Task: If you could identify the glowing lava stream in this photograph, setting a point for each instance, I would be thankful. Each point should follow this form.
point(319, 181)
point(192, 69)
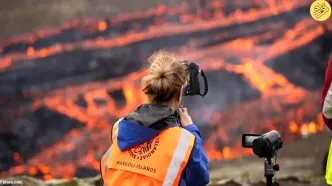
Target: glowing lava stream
point(63, 158)
point(92, 24)
point(56, 162)
point(253, 57)
point(260, 76)
point(153, 32)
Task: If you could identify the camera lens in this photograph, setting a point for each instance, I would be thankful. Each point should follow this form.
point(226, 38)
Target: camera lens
point(259, 146)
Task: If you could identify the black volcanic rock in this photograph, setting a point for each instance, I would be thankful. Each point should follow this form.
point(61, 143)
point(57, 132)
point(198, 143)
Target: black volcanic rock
point(305, 66)
point(67, 68)
point(84, 172)
point(33, 132)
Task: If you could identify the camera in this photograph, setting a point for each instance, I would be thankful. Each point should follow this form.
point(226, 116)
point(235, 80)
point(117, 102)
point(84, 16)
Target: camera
point(265, 145)
point(193, 87)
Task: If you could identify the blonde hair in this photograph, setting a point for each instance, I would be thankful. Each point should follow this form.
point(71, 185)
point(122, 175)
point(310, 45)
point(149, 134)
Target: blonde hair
point(167, 75)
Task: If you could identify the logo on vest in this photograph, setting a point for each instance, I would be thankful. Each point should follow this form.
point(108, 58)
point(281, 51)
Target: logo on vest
point(145, 150)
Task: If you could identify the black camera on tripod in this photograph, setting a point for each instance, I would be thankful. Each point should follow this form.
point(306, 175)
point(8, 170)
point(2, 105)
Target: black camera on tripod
point(265, 146)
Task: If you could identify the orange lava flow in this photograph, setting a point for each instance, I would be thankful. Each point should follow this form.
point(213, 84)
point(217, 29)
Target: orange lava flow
point(164, 29)
point(267, 112)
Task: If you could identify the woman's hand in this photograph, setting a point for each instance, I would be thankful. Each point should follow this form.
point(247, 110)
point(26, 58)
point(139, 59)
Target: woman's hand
point(185, 119)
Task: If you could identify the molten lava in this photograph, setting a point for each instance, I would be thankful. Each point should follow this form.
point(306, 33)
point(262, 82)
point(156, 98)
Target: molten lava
point(214, 41)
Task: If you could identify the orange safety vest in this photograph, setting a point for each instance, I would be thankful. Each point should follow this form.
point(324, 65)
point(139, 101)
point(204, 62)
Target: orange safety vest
point(159, 161)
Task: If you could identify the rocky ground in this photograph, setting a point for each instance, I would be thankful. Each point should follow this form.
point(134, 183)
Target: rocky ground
point(301, 164)
point(95, 181)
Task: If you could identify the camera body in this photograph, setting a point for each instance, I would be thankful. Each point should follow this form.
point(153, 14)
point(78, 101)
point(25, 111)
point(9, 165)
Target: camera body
point(193, 87)
point(265, 145)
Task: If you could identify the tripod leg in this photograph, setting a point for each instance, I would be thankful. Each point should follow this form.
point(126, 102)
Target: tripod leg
point(269, 180)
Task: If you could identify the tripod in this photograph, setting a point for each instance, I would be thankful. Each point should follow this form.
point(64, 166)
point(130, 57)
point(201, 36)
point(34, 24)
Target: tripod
point(269, 171)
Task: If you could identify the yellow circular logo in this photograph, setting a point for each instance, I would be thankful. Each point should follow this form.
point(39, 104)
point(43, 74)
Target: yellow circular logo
point(320, 10)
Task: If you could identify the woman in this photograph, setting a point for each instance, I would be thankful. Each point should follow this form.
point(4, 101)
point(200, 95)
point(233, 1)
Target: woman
point(150, 147)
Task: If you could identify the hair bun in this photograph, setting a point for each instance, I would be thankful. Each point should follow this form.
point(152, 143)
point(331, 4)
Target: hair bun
point(162, 75)
point(166, 77)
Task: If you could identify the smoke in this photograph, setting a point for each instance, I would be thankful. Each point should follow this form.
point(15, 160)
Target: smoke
point(225, 89)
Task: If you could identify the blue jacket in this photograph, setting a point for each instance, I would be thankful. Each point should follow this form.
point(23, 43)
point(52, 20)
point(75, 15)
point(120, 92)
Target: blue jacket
point(131, 134)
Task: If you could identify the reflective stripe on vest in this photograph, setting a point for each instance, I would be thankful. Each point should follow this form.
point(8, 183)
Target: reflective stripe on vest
point(104, 160)
point(328, 175)
point(178, 157)
point(115, 129)
point(159, 161)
